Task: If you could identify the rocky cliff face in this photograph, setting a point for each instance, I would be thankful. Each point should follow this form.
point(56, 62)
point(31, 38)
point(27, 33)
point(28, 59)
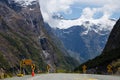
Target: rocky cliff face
point(23, 36)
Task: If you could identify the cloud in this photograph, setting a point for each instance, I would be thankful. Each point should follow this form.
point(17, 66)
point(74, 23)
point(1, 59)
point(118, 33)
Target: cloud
point(88, 13)
point(50, 7)
point(107, 7)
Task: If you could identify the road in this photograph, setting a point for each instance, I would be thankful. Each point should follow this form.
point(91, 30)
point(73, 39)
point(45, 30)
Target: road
point(63, 76)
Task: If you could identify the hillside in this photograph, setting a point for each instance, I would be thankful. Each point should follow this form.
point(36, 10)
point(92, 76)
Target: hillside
point(82, 46)
point(23, 36)
point(110, 55)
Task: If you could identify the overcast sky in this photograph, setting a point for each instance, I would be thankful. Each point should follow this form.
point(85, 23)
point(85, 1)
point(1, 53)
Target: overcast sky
point(71, 9)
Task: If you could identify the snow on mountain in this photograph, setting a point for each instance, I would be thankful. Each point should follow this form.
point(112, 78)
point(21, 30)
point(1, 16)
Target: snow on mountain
point(25, 3)
point(58, 21)
point(97, 25)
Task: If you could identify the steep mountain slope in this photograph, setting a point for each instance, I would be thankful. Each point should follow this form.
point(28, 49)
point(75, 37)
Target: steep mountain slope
point(110, 54)
point(86, 40)
point(23, 36)
point(114, 38)
point(59, 44)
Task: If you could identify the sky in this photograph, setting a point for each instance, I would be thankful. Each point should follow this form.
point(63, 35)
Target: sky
point(84, 9)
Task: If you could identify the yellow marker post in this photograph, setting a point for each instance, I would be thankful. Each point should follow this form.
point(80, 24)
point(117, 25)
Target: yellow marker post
point(20, 74)
point(33, 66)
point(109, 69)
point(84, 67)
point(48, 68)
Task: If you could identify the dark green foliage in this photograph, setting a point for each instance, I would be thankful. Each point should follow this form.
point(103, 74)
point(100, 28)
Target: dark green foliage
point(25, 49)
point(3, 60)
point(16, 43)
point(63, 63)
point(102, 61)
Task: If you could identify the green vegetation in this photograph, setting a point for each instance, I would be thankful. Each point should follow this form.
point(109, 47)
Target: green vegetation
point(101, 61)
point(65, 63)
point(25, 48)
point(15, 42)
point(3, 62)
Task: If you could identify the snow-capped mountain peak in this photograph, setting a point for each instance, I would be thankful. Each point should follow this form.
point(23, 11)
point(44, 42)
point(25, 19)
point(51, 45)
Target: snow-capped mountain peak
point(100, 25)
point(96, 25)
point(25, 3)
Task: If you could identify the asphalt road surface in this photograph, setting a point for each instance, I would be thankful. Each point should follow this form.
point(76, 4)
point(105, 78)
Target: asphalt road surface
point(63, 76)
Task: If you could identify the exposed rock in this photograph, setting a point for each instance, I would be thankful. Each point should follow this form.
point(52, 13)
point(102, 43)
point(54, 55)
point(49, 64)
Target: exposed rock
point(23, 36)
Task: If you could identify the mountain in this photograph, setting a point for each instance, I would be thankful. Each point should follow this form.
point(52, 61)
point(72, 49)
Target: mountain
point(23, 36)
point(109, 56)
point(114, 39)
point(84, 39)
